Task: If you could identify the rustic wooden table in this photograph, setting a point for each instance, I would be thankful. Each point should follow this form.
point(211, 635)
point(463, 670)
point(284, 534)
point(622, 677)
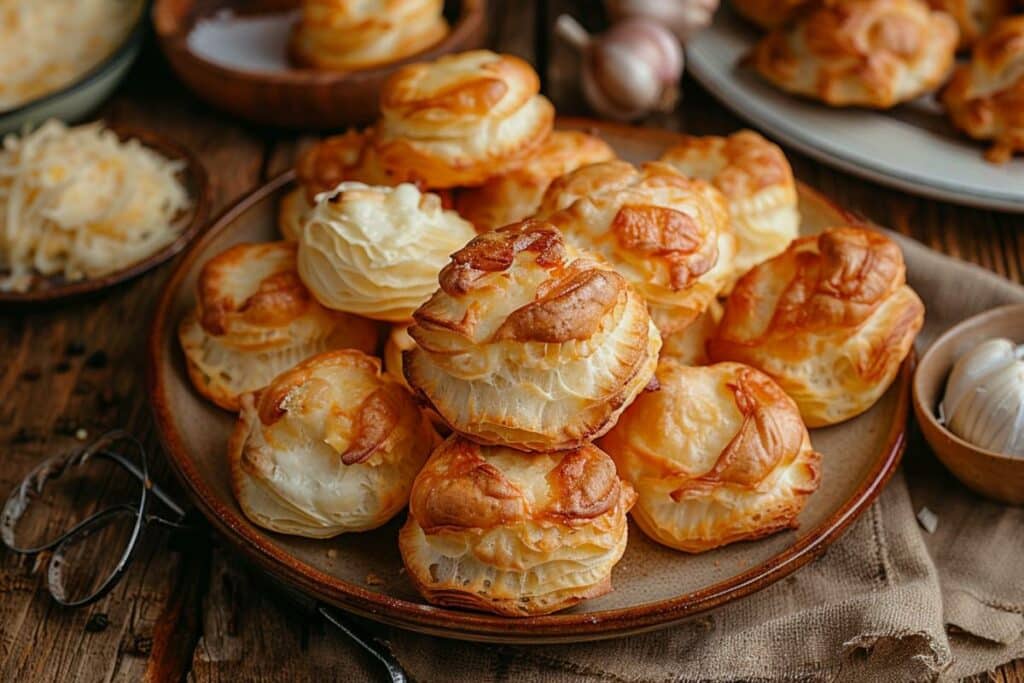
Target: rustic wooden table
point(187, 609)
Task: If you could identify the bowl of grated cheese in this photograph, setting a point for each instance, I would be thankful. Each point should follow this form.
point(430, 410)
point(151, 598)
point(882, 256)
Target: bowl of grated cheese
point(62, 59)
point(86, 207)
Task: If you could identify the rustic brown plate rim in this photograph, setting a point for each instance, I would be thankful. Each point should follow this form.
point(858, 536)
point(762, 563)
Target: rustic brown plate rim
point(199, 213)
point(928, 412)
point(566, 627)
point(471, 13)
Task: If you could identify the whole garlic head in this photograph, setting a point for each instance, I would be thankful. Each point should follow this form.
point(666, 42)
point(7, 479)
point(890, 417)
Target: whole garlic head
point(984, 400)
point(682, 17)
point(630, 70)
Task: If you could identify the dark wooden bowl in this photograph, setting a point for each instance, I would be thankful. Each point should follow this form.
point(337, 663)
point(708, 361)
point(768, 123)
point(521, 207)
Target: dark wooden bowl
point(993, 475)
point(57, 289)
point(294, 97)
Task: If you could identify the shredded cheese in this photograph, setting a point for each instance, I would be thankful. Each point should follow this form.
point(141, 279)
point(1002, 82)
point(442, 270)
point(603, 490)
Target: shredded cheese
point(47, 44)
point(80, 203)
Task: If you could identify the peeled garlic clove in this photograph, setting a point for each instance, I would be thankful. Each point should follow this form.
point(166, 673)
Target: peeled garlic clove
point(682, 17)
point(984, 400)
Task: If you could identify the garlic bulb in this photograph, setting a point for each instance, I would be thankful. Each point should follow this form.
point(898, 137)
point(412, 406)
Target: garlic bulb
point(984, 401)
point(631, 70)
point(682, 17)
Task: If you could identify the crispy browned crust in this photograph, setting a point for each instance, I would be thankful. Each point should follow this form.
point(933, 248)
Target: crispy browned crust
point(974, 17)
point(453, 97)
point(516, 195)
point(460, 492)
point(860, 51)
point(824, 288)
point(752, 163)
point(330, 37)
point(771, 436)
point(995, 113)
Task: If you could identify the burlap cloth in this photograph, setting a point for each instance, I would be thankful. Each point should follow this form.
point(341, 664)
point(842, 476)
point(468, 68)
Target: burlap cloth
point(887, 602)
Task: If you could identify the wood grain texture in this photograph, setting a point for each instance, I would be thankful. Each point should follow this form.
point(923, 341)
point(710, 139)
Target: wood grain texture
point(187, 609)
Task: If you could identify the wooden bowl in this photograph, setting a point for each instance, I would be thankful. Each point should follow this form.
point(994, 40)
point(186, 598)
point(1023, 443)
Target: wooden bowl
point(993, 475)
point(51, 290)
point(285, 95)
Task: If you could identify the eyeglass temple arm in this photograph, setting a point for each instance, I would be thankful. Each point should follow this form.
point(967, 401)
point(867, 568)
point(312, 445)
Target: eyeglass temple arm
point(155, 489)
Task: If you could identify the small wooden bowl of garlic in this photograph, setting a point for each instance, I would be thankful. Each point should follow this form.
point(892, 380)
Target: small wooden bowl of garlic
point(969, 401)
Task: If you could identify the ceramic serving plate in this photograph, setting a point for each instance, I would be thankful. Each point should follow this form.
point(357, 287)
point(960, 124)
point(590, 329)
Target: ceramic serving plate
point(188, 223)
point(233, 54)
point(362, 573)
point(912, 147)
point(74, 101)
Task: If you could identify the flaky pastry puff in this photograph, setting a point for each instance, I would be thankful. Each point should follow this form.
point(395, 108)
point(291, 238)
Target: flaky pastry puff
point(254, 319)
point(756, 179)
point(689, 345)
point(985, 97)
point(330, 446)
point(974, 17)
point(496, 530)
point(517, 194)
point(530, 343)
point(830, 319)
point(867, 53)
point(718, 454)
point(667, 234)
point(322, 167)
point(376, 251)
point(769, 14)
point(346, 35)
point(461, 119)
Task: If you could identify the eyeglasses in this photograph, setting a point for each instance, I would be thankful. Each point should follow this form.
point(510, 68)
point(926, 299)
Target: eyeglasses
point(90, 554)
point(90, 508)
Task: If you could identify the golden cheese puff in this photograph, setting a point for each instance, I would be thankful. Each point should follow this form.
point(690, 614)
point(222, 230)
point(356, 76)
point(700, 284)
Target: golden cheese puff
point(866, 53)
point(496, 530)
point(254, 319)
point(974, 17)
point(530, 343)
point(830, 319)
point(330, 446)
point(756, 179)
point(321, 168)
point(345, 35)
point(985, 97)
point(717, 455)
point(461, 119)
point(667, 234)
point(689, 345)
point(517, 194)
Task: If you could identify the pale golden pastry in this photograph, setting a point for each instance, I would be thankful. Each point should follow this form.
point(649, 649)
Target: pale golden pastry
point(769, 13)
point(974, 17)
point(756, 179)
point(496, 530)
point(347, 35)
point(517, 194)
point(667, 234)
point(461, 119)
point(718, 454)
point(867, 53)
point(330, 446)
point(689, 345)
point(322, 167)
point(398, 342)
point(830, 319)
point(530, 343)
point(376, 251)
point(255, 319)
point(985, 97)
